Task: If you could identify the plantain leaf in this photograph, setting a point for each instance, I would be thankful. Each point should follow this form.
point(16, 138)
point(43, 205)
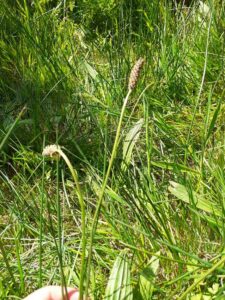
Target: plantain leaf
point(92, 72)
point(147, 278)
point(181, 193)
point(173, 166)
point(119, 286)
point(130, 141)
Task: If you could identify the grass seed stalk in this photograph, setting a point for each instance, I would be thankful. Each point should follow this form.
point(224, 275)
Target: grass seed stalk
point(133, 79)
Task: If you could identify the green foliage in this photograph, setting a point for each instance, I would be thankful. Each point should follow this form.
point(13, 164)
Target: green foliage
point(119, 285)
point(160, 232)
point(147, 278)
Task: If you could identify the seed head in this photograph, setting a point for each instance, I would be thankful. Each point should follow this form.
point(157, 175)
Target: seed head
point(135, 72)
point(51, 151)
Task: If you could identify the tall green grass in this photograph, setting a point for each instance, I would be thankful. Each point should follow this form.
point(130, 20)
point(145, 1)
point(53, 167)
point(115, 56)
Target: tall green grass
point(160, 230)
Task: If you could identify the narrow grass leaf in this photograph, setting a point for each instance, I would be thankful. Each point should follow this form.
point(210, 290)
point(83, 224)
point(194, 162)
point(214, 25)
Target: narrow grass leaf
point(213, 122)
point(3, 142)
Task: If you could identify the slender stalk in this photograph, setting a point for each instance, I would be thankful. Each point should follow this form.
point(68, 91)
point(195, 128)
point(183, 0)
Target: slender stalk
point(148, 145)
point(41, 224)
point(7, 262)
point(105, 181)
point(55, 151)
point(20, 268)
point(60, 244)
point(83, 225)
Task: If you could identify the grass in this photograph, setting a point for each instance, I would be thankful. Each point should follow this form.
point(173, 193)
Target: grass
point(151, 175)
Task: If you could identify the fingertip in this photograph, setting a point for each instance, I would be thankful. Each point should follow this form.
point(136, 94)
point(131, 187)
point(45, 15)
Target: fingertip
point(73, 294)
point(53, 293)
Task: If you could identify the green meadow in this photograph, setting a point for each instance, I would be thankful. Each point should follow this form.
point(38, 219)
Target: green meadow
point(129, 201)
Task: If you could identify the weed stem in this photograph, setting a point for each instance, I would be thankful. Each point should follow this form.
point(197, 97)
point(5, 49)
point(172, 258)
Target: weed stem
point(105, 181)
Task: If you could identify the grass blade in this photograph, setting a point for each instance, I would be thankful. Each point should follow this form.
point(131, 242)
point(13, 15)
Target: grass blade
point(11, 128)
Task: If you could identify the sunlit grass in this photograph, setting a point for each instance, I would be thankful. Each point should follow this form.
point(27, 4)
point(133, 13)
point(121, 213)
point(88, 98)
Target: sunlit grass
point(153, 187)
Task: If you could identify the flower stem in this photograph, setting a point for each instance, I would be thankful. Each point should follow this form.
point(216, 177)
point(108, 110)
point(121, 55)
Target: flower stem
point(104, 184)
point(83, 225)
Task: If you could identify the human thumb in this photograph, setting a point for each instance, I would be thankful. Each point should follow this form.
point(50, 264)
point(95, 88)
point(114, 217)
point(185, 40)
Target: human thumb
point(54, 293)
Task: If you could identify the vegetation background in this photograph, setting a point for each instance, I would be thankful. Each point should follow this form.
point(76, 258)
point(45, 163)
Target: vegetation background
point(64, 69)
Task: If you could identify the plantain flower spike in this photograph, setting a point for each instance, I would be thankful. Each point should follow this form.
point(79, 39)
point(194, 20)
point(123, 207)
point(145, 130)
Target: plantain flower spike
point(135, 72)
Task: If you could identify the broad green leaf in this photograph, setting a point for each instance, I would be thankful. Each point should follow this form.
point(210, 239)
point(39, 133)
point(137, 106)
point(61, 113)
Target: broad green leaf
point(147, 278)
point(197, 297)
point(115, 196)
point(200, 202)
point(130, 141)
point(119, 286)
point(214, 289)
point(173, 166)
point(92, 72)
point(200, 297)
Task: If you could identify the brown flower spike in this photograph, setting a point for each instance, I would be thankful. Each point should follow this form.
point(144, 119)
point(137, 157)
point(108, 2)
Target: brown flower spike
point(134, 74)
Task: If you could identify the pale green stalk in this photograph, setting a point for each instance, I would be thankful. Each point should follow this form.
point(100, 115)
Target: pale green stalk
point(41, 225)
point(7, 262)
point(60, 245)
point(83, 228)
point(55, 151)
point(105, 181)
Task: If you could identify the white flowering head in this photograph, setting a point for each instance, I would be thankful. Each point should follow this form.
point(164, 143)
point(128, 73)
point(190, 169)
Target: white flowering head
point(52, 151)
